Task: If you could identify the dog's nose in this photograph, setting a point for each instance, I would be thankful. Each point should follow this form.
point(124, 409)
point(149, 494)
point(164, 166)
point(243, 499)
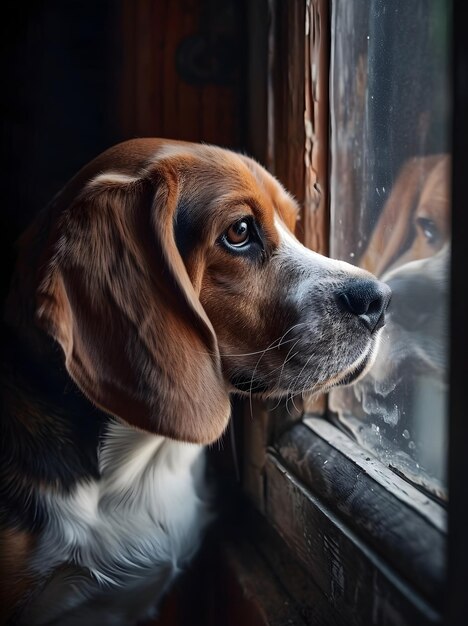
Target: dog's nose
point(366, 298)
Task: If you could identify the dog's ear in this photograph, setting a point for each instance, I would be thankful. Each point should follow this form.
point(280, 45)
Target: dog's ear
point(115, 294)
point(395, 228)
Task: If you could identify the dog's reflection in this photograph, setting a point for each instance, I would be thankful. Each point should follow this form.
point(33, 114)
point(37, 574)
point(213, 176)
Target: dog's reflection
point(418, 321)
point(414, 342)
point(405, 392)
point(415, 221)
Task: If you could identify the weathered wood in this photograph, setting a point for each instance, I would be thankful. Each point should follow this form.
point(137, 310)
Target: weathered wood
point(344, 526)
point(254, 595)
point(432, 511)
point(315, 215)
point(306, 597)
point(349, 573)
point(288, 93)
point(396, 531)
point(263, 423)
point(255, 441)
point(315, 210)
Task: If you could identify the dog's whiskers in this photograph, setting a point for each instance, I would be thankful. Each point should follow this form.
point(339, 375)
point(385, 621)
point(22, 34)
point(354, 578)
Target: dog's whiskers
point(242, 354)
point(288, 358)
point(281, 341)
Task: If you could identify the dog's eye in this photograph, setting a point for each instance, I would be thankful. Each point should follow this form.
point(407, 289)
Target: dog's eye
point(429, 229)
point(238, 234)
point(244, 237)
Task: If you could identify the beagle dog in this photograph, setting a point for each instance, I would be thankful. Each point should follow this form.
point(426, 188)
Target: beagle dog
point(163, 277)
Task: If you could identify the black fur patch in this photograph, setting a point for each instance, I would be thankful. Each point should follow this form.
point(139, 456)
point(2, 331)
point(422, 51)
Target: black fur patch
point(186, 231)
point(49, 435)
point(249, 384)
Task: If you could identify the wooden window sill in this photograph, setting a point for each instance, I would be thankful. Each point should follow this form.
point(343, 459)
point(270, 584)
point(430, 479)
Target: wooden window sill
point(364, 536)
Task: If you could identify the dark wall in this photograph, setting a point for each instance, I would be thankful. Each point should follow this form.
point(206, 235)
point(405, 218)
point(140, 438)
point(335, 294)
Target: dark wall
point(60, 69)
point(58, 87)
point(81, 75)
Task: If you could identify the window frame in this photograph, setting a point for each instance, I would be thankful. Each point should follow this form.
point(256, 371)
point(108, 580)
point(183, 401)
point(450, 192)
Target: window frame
point(342, 516)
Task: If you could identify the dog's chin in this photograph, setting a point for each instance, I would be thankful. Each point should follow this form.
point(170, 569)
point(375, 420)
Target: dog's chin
point(349, 375)
point(248, 385)
point(356, 373)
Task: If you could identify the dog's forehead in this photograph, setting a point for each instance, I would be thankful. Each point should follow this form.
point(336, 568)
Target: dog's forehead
point(284, 204)
point(215, 174)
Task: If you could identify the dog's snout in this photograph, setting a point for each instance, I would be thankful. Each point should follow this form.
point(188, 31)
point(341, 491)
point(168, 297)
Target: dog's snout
point(367, 299)
point(415, 299)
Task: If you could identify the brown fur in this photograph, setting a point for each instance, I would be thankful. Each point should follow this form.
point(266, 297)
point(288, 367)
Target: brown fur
point(126, 285)
point(15, 548)
point(420, 191)
point(108, 248)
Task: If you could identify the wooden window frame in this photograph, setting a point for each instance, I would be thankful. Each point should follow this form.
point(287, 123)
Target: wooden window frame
point(372, 548)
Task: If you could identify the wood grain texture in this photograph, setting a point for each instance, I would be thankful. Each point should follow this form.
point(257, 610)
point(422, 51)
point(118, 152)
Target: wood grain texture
point(349, 573)
point(396, 532)
point(289, 98)
point(307, 598)
point(315, 215)
point(263, 423)
point(256, 424)
point(254, 595)
point(155, 99)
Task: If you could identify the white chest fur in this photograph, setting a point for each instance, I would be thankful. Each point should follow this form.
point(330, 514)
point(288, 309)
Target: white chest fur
point(125, 537)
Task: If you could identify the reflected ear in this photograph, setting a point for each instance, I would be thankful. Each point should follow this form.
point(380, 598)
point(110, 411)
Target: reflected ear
point(394, 228)
point(114, 293)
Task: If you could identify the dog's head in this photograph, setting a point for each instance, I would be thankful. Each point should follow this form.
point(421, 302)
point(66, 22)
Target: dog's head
point(415, 221)
point(170, 276)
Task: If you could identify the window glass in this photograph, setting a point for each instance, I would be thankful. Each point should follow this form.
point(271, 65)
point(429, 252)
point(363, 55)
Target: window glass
point(390, 213)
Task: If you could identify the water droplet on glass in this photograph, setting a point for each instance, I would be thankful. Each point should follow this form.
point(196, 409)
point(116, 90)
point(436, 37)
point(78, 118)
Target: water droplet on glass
point(411, 445)
point(405, 434)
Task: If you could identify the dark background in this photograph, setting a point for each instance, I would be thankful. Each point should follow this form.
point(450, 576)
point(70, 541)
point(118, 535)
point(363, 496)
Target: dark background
point(81, 75)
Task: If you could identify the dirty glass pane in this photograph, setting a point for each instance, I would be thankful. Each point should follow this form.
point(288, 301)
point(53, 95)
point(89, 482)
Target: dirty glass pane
point(390, 213)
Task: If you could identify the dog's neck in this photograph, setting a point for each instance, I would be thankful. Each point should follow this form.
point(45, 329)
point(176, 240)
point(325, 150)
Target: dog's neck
point(49, 431)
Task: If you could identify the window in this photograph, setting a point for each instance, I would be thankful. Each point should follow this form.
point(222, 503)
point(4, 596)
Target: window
point(358, 125)
point(390, 212)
